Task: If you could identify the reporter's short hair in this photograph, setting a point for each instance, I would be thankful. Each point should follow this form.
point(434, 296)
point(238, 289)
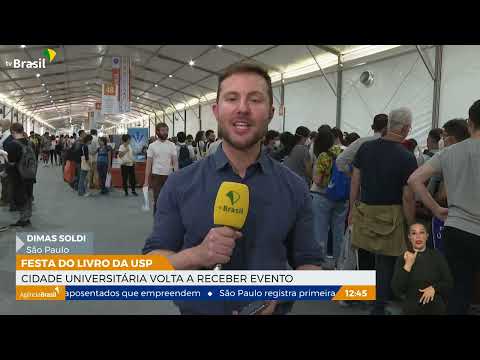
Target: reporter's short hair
point(17, 128)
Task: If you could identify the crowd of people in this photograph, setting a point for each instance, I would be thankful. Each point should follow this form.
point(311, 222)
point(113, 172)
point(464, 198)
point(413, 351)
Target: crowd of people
point(383, 190)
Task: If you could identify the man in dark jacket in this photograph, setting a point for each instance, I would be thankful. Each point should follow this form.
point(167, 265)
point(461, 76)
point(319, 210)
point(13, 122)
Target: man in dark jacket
point(22, 188)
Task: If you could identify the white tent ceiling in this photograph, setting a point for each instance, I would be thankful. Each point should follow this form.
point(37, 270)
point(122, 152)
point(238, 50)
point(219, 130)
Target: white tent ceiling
point(72, 83)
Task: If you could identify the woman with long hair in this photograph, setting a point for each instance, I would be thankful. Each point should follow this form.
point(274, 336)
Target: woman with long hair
point(200, 144)
point(327, 214)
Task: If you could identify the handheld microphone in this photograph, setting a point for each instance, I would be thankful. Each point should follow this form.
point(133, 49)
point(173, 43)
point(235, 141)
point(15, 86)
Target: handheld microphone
point(231, 206)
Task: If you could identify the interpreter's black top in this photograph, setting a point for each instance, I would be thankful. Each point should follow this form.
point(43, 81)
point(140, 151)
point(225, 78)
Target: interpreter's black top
point(430, 269)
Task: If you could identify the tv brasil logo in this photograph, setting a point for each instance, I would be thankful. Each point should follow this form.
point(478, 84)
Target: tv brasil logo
point(41, 63)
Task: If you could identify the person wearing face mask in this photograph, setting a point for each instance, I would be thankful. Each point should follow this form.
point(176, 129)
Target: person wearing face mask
point(299, 160)
point(422, 276)
point(161, 159)
point(433, 140)
point(285, 145)
point(269, 145)
point(458, 165)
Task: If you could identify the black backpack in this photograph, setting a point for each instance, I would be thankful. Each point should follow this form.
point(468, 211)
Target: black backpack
point(27, 165)
point(184, 158)
point(428, 153)
point(71, 152)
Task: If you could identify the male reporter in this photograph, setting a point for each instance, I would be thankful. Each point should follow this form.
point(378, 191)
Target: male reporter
point(278, 228)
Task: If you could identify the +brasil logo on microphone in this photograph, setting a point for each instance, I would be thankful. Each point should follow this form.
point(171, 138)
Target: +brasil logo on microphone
point(233, 197)
point(231, 204)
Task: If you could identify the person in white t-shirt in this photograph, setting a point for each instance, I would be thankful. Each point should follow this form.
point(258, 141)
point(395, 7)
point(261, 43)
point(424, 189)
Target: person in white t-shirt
point(125, 153)
point(161, 159)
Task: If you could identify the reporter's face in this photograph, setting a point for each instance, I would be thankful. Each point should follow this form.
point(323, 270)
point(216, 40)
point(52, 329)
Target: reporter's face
point(418, 236)
point(243, 111)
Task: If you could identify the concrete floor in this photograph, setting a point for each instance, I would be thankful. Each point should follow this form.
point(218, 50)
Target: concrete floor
point(120, 227)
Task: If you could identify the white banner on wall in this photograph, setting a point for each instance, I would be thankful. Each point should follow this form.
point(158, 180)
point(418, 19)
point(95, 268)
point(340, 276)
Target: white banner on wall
point(110, 103)
point(125, 84)
point(116, 69)
point(97, 116)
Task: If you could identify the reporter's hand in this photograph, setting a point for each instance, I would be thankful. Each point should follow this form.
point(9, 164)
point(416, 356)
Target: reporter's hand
point(269, 310)
point(428, 295)
point(217, 246)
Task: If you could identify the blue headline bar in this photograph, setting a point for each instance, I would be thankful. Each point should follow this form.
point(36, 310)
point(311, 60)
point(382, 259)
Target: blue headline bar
point(200, 293)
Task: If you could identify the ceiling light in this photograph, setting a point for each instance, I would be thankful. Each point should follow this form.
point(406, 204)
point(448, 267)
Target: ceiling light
point(156, 85)
point(219, 46)
point(51, 101)
point(191, 63)
point(138, 98)
point(38, 75)
point(43, 84)
point(47, 91)
point(170, 76)
point(23, 46)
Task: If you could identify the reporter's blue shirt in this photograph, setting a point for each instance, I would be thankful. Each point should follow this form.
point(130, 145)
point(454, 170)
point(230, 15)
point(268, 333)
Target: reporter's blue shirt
point(278, 230)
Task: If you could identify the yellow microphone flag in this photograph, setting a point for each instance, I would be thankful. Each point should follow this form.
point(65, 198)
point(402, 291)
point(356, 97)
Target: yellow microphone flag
point(231, 205)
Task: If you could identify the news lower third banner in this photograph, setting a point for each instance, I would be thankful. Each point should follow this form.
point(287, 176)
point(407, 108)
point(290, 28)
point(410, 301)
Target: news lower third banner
point(140, 277)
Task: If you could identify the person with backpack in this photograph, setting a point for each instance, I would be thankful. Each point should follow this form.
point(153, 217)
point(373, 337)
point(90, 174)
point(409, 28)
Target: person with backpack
point(186, 153)
point(330, 192)
point(46, 144)
point(162, 157)
point(22, 171)
point(35, 143)
point(3, 175)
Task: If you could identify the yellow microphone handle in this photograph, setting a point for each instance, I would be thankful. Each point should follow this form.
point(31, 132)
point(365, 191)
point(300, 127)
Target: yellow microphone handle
point(231, 207)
